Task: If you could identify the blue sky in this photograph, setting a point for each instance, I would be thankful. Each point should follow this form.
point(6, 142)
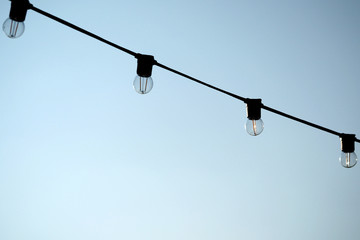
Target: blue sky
point(83, 156)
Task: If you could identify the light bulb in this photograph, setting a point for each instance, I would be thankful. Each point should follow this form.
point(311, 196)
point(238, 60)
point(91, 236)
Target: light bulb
point(347, 159)
point(254, 127)
point(13, 29)
point(143, 85)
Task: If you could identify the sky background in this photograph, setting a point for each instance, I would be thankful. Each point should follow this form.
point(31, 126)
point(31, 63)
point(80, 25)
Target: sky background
point(83, 156)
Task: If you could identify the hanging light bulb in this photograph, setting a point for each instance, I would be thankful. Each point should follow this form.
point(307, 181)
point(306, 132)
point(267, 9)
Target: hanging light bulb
point(348, 157)
point(143, 85)
point(14, 26)
point(13, 29)
point(143, 82)
point(254, 125)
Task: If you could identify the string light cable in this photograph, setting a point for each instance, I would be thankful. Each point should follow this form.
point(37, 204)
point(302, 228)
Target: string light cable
point(14, 27)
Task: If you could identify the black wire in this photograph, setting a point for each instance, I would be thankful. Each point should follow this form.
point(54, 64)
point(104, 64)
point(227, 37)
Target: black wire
point(81, 30)
point(301, 120)
point(201, 82)
point(244, 100)
point(183, 74)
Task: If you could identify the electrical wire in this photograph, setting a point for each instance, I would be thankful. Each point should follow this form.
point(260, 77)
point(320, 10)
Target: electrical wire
point(183, 74)
point(81, 30)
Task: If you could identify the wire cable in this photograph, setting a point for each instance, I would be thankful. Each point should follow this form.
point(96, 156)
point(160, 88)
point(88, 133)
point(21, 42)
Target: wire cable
point(81, 30)
point(300, 120)
point(183, 74)
point(200, 82)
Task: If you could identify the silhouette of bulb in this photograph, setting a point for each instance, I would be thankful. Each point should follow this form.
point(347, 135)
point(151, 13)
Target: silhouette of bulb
point(13, 29)
point(254, 127)
point(143, 85)
point(347, 159)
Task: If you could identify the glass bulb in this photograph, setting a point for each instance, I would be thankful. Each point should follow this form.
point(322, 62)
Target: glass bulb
point(13, 29)
point(254, 127)
point(143, 85)
point(348, 160)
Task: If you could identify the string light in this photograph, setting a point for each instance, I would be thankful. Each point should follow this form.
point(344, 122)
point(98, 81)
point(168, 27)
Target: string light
point(348, 157)
point(14, 26)
point(254, 125)
point(143, 83)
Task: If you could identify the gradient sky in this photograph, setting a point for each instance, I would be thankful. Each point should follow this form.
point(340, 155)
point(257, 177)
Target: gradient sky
point(83, 156)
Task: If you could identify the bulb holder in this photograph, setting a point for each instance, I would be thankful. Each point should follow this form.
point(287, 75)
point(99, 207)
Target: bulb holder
point(145, 64)
point(253, 108)
point(19, 9)
point(347, 143)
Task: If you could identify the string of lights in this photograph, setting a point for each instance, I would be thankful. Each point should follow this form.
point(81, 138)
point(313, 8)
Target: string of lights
point(14, 27)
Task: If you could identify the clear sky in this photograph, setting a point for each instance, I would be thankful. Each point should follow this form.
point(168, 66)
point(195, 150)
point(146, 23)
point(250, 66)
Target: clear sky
point(83, 156)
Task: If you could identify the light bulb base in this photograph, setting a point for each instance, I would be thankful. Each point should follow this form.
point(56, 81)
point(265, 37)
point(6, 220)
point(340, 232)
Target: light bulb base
point(18, 10)
point(347, 143)
point(253, 109)
point(144, 65)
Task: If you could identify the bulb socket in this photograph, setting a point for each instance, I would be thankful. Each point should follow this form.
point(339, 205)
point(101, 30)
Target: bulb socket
point(253, 108)
point(18, 10)
point(347, 143)
point(144, 65)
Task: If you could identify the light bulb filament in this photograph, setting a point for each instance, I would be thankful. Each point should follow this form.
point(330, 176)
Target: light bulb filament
point(13, 28)
point(146, 84)
point(17, 25)
point(143, 86)
point(347, 161)
point(254, 127)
